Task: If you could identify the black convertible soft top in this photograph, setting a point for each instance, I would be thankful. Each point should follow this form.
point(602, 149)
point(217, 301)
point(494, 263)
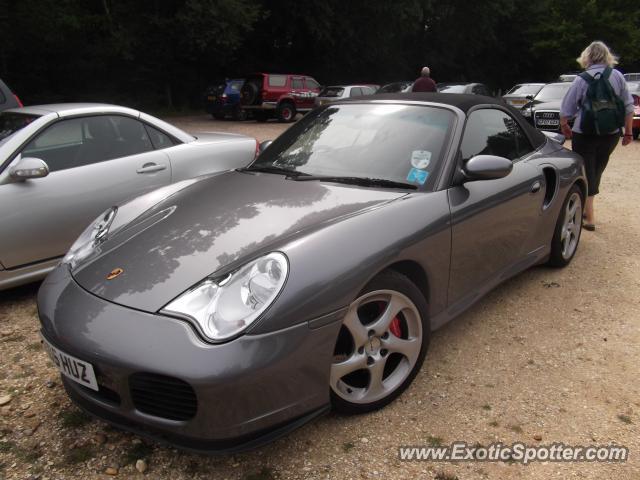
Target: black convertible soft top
point(464, 102)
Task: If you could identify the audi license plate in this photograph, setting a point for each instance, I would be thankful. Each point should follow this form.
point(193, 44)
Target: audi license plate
point(547, 122)
point(71, 367)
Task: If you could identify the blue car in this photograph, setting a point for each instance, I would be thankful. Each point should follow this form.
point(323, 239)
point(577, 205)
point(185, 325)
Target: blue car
point(224, 100)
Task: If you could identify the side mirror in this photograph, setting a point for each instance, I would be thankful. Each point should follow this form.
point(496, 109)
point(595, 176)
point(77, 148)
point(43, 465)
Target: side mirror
point(487, 167)
point(29, 167)
point(263, 145)
point(529, 97)
point(555, 136)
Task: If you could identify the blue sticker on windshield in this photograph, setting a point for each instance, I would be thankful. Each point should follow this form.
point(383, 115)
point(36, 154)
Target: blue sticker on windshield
point(418, 176)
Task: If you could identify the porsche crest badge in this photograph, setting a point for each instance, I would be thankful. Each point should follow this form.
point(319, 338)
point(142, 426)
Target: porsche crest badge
point(116, 272)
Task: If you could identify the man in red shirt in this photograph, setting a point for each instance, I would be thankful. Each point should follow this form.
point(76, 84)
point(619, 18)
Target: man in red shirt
point(425, 83)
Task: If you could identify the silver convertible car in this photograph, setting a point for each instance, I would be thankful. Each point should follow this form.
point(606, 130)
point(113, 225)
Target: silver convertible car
point(220, 313)
point(61, 165)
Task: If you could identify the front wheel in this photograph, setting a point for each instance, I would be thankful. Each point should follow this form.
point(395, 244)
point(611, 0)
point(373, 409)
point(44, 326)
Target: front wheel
point(381, 345)
point(568, 228)
point(286, 112)
point(239, 114)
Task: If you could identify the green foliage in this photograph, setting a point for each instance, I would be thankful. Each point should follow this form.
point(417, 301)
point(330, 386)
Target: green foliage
point(163, 54)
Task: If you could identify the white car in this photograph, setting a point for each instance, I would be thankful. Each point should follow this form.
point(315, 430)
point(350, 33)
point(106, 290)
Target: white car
point(340, 92)
point(61, 165)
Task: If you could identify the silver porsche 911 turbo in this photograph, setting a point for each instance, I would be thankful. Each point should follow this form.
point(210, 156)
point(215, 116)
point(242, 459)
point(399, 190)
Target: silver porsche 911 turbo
point(219, 313)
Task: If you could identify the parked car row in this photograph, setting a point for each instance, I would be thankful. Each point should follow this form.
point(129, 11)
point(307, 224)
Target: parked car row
point(282, 96)
point(540, 103)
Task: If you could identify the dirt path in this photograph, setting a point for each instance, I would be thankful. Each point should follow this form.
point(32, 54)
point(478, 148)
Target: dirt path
point(551, 354)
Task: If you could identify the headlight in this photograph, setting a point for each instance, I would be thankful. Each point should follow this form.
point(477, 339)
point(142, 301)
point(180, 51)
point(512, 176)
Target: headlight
point(226, 307)
point(90, 238)
point(526, 112)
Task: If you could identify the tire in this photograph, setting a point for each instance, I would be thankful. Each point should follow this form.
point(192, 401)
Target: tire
point(566, 235)
point(239, 114)
point(636, 133)
point(286, 112)
point(384, 335)
point(218, 116)
point(249, 93)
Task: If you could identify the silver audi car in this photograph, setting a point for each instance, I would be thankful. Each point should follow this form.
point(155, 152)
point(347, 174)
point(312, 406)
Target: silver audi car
point(219, 313)
point(61, 165)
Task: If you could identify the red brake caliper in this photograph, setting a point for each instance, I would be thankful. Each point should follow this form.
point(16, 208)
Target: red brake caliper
point(394, 327)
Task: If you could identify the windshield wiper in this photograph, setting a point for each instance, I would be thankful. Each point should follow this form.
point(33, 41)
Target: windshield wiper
point(272, 169)
point(363, 181)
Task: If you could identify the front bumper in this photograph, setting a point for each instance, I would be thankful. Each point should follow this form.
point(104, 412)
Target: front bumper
point(248, 391)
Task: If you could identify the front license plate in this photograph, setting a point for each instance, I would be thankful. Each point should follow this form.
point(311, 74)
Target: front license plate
point(549, 122)
point(72, 367)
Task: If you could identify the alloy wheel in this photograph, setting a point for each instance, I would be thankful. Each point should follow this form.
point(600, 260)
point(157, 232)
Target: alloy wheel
point(571, 226)
point(378, 347)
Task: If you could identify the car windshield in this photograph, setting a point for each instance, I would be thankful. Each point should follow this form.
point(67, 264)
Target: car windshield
point(392, 142)
point(526, 89)
point(393, 87)
point(11, 122)
point(331, 92)
point(452, 88)
point(553, 92)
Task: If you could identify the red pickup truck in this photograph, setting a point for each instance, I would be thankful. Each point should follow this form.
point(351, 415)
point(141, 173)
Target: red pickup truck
point(281, 95)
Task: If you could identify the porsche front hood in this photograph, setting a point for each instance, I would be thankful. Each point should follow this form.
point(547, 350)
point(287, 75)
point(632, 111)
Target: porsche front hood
point(214, 225)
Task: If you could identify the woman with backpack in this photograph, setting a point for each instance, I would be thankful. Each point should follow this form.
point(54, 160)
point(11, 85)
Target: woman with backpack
point(600, 105)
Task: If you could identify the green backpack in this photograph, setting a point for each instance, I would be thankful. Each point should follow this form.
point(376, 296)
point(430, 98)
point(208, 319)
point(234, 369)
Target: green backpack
point(602, 110)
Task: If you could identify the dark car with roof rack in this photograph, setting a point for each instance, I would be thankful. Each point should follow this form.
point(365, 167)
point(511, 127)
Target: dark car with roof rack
point(223, 100)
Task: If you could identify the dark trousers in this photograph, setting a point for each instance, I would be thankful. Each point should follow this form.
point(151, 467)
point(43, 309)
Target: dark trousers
point(595, 149)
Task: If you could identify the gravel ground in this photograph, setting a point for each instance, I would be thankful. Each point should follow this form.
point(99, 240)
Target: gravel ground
point(549, 356)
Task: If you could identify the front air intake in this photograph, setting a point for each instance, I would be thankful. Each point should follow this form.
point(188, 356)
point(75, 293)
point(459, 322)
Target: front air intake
point(162, 396)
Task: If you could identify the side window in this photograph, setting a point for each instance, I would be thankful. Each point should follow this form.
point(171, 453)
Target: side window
point(58, 145)
point(367, 91)
point(82, 141)
point(493, 132)
point(355, 92)
point(297, 84)
point(158, 139)
point(277, 80)
point(132, 137)
point(311, 83)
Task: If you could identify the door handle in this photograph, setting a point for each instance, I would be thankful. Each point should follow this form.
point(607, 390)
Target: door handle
point(535, 186)
point(150, 168)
